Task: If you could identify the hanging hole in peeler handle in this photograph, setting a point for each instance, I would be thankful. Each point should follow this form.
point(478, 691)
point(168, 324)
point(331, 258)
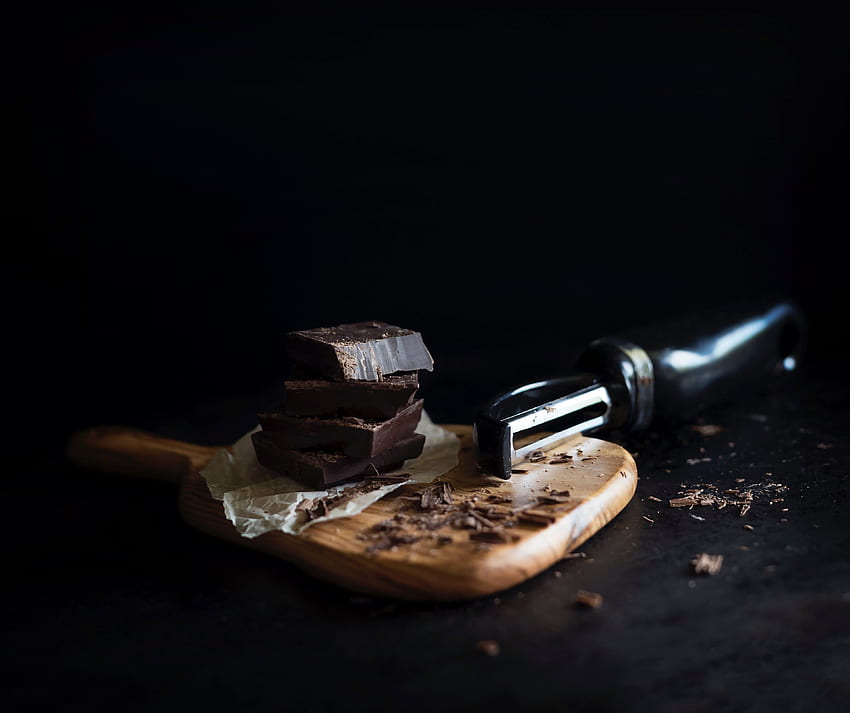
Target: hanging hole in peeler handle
point(790, 345)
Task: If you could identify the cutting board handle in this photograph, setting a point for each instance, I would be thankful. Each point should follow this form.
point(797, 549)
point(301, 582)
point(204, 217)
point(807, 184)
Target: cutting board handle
point(136, 453)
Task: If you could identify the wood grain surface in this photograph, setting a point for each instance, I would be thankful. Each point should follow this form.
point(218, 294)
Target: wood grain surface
point(444, 564)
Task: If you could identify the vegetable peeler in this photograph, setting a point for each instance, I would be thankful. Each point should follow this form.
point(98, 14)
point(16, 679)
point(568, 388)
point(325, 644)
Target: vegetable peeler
point(653, 375)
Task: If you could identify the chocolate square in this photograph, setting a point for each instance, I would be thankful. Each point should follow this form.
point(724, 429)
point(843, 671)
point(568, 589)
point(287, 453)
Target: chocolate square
point(360, 351)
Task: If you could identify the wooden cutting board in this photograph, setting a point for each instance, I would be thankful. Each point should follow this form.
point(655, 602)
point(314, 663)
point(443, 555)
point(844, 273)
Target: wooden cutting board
point(444, 564)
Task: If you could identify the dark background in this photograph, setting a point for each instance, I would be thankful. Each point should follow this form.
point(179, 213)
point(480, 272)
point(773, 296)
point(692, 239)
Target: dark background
point(510, 181)
point(208, 179)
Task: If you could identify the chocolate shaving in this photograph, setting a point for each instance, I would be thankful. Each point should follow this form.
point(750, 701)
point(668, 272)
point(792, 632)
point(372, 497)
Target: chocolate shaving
point(493, 512)
point(439, 493)
point(535, 517)
point(480, 520)
point(315, 508)
point(498, 499)
point(707, 564)
point(591, 600)
point(708, 495)
point(554, 497)
point(426, 514)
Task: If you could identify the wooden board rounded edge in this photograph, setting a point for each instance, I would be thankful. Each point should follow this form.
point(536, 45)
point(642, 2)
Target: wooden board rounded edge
point(601, 478)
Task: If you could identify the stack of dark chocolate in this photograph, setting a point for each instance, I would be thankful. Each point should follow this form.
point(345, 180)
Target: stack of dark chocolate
point(348, 406)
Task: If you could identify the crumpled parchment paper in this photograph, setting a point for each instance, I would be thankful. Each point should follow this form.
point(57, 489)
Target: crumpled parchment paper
point(258, 500)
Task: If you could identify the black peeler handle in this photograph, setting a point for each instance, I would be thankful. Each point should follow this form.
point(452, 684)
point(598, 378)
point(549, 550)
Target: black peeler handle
point(670, 371)
point(657, 375)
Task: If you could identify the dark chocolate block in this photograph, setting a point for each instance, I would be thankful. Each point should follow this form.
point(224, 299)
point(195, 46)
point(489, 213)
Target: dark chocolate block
point(359, 351)
point(363, 399)
point(317, 470)
point(350, 436)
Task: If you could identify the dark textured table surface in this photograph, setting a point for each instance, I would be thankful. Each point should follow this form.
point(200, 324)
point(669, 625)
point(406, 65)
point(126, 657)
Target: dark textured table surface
point(124, 607)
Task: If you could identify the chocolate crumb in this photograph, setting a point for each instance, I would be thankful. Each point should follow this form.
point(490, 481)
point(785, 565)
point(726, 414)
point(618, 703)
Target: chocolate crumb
point(591, 600)
point(708, 429)
point(489, 647)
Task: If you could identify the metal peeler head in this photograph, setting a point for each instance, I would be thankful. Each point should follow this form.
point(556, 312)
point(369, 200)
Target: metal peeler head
point(538, 416)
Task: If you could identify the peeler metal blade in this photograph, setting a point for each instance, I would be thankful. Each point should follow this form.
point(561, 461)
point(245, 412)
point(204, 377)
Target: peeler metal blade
point(538, 416)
